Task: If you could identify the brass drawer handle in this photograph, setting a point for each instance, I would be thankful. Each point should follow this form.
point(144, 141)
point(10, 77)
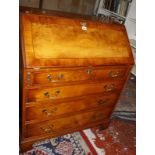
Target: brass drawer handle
point(57, 92)
point(48, 113)
point(89, 71)
point(45, 111)
point(47, 94)
point(49, 77)
point(114, 74)
point(103, 102)
point(60, 76)
point(109, 88)
point(47, 129)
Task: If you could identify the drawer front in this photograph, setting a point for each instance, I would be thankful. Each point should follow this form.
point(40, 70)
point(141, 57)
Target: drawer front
point(60, 92)
point(50, 76)
point(53, 110)
point(57, 125)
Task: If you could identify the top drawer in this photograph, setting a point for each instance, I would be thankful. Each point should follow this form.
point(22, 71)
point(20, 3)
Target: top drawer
point(50, 76)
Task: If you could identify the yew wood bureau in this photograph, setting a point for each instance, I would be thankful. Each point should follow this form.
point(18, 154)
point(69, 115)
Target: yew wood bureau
point(72, 74)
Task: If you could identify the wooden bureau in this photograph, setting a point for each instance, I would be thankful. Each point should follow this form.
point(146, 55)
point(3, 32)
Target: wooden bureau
point(72, 73)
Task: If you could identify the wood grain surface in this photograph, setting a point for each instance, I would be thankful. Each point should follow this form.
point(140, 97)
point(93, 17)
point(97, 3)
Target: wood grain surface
point(52, 40)
point(72, 73)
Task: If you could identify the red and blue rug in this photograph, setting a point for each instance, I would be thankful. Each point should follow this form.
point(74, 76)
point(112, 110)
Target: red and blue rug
point(69, 144)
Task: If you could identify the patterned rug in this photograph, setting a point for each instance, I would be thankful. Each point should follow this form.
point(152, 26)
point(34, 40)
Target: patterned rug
point(69, 144)
point(118, 139)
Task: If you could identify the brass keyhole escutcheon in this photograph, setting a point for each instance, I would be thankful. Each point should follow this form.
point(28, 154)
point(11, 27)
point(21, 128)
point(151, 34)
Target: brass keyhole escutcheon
point(83, 26)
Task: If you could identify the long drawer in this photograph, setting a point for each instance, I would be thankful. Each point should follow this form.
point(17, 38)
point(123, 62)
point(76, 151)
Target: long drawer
point(44, 111)
point(49, 76)
point(59, 92)
point(53, 126)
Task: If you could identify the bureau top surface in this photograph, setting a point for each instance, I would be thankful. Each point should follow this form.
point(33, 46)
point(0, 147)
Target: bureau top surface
point(57, 41)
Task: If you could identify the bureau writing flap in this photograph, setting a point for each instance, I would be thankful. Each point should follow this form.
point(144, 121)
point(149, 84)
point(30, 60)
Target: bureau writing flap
point(57, 41)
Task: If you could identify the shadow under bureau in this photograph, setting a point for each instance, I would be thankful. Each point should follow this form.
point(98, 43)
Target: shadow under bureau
point(72, 74)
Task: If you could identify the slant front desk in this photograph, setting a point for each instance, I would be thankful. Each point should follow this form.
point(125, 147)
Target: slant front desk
point(72, 74)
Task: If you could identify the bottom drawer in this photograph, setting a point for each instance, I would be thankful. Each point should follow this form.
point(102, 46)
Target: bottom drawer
point(58, 125)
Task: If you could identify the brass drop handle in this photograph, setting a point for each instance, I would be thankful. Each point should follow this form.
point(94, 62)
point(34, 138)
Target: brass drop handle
point(103, 102)
point(110, 87)
point(114, 74)
point(49, 77)
point(47, 129)
point(48, 113)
